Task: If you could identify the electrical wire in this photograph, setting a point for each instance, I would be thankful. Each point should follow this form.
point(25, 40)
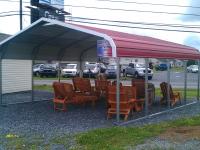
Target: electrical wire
point(142, 3)
point(139, 23)
point(129, 2)
point(119, 9)
point(128, 22)
point(132, 10)
point(125, 26)
point(5, 12)
point(9, 15)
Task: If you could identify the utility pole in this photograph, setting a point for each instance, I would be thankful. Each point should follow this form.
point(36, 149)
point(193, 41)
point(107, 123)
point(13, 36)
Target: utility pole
point(20, 14)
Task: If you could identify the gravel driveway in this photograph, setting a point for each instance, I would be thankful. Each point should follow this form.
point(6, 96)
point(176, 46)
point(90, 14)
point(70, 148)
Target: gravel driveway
point(40, 118)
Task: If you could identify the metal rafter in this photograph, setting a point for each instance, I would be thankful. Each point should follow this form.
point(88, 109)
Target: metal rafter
point(62, 51)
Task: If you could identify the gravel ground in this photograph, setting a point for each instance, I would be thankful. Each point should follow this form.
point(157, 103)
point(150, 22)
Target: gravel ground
point(158, 144)
point(40, 118)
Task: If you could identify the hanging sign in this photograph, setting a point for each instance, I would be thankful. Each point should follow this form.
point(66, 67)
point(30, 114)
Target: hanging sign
point(103, 48)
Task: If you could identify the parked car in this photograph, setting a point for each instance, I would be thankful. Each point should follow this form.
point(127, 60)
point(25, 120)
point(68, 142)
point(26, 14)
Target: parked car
point(193, 68)
point(138, 71)
point(70, 70)
point(111, 71)
point(44, 70)
point(161, 67)
point(123, 68)
point(92, 69)
point(37, 68)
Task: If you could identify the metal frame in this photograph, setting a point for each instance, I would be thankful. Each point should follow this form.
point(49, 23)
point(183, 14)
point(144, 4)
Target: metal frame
point(146, 87)
point(32, 80)
point(155, 114)
point(59, 71)
point(2, 53)
point(168, 84)
point(1, 100)
point(185, 81)
point(118, 89)
point(62, 50)
point(37, 47)
point(80, 59)
point(198, 84)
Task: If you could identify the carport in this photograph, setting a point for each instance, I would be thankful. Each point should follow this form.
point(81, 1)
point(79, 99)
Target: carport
point(53, 40)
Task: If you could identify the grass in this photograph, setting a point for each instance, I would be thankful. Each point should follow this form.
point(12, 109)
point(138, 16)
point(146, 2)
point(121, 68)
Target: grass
point(191, 93)
point(114, 138)
point(44, 87)
point(120, 138)
point(51, 78)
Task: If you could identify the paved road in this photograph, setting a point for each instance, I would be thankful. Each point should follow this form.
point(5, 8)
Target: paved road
point(176, 79)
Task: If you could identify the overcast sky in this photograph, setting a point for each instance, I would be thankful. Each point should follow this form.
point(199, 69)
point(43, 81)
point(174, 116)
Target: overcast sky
point(10, 24)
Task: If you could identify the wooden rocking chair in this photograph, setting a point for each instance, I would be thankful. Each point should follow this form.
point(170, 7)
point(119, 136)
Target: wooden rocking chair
point(174, 96)
point(126, 105)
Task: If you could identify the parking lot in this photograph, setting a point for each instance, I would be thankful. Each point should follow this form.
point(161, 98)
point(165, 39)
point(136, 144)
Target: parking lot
point(176, 79)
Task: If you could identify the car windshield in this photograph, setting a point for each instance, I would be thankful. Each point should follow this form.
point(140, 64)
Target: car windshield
point(47, 66)
point(70, 67)
point(111, 67)
point(91, 67)
point(36, 66)
point(140, 65)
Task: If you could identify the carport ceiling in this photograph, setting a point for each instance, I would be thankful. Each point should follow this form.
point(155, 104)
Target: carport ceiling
point(54, 40)
point(45, 40)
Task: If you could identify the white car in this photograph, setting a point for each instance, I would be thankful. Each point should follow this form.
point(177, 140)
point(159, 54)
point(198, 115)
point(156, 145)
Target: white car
point(70, 70)
point(193, 68)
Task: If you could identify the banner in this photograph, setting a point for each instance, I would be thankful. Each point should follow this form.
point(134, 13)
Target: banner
point(103, 48)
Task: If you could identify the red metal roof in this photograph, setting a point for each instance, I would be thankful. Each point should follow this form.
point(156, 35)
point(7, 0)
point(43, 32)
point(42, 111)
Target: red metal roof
point(131, 45)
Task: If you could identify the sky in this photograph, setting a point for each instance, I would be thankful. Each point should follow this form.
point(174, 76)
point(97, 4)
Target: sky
point(10, 24)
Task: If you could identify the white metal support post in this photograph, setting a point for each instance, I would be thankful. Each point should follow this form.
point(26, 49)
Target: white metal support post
point(80, 68)
point(198, 84)
point(185, 81)
point(168, 83)
point(59, 71)
point(32, 87)
point(146, 87)
point(1, 101)
point(118, 89)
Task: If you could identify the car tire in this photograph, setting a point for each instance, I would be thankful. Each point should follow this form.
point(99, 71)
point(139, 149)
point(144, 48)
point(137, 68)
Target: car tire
point(136, 75)
point(37, 74)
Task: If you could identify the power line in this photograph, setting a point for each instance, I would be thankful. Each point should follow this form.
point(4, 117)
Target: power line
point(117, 21)
point(140, 23)
point(142, 3)
point(5, 12)
point(129, 2)
point(190, 31)
point(119, 9)
point(9, 15)
point(125, 26)
point(134, 10)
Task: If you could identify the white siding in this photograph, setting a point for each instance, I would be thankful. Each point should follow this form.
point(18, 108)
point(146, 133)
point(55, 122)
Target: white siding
point(16, 75)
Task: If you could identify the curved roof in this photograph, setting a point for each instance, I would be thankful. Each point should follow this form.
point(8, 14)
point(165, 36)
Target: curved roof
point(54, 40)
point(131, 45)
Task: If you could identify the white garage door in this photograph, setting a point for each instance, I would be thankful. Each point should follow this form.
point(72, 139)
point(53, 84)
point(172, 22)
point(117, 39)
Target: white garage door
point(16, 75)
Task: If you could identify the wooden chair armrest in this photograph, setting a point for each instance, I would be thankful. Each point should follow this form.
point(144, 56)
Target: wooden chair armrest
point(177, 94)
point(112, 102)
